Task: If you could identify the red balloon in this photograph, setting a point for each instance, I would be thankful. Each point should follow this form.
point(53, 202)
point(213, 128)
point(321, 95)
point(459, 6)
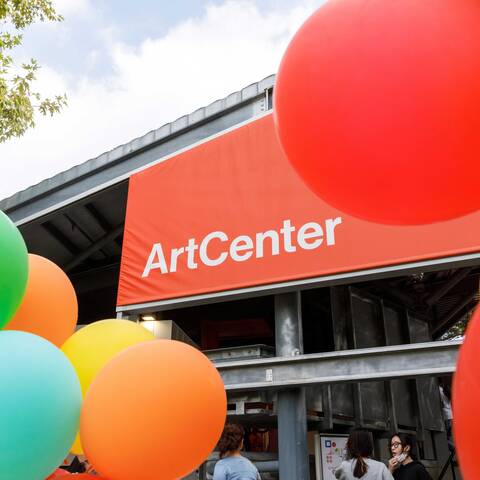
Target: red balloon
point(87, 476)
point(58, 473)
point(466, 397)
point(376, 106)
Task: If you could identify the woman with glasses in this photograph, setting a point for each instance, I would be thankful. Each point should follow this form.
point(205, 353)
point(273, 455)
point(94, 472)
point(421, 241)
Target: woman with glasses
point(359, 463)
point(404, 464)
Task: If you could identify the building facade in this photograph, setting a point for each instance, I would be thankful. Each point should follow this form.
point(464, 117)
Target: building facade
point(309, 343)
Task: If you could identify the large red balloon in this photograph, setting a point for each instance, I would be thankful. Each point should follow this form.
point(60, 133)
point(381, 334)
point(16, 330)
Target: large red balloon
point(466, 398)
point(376, 106)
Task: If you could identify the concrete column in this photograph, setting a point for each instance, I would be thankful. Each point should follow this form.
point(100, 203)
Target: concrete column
point(291, 405)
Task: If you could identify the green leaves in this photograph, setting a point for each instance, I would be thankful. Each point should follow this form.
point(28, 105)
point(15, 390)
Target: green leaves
point(22, 13)
point(18, 102)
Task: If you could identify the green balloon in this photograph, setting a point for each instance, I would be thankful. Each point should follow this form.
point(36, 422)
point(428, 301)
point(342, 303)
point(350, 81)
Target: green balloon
point(13, 269)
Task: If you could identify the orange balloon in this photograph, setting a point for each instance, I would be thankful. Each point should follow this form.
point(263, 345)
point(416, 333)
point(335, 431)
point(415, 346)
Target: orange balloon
point(49, 308)
point(154, 412)
point(87, 476)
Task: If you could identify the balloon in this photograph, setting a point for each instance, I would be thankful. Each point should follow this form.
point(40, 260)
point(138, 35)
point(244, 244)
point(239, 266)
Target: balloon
point(87, 476)
point(155, 411)
point(375, 105)
point(466, 395)
point(49, 308)
point(13, 269)
point(58, 473)
point(40, 405)
point(91, 347)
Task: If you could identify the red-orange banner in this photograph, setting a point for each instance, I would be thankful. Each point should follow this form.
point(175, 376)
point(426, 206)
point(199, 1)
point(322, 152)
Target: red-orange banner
point(232, 213)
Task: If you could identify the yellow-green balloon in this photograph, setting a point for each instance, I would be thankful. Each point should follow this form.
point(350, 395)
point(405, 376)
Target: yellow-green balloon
point(13, 269)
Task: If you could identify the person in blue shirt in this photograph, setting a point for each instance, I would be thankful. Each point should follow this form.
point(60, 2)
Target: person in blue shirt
point(232, 466)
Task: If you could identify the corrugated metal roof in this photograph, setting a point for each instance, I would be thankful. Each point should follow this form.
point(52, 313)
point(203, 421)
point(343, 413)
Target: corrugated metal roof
point(115, 155)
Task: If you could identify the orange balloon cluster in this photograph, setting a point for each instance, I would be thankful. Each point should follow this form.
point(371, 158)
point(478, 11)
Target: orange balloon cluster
point(154, 412)
point(49, 307)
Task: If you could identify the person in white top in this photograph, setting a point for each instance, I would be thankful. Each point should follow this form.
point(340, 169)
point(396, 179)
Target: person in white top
point(359, 463)
point(446, 400)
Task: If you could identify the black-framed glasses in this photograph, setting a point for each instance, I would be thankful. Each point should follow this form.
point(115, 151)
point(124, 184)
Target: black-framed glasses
point(395, 445)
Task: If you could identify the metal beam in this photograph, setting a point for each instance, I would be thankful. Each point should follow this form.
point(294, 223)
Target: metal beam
point(110, 236)
point(101, 220)
point(61, 238)
point(369, 364)
point(398, 295)
point(76, 225)
point(433, 298)
point(291, 404)
point(448, 320)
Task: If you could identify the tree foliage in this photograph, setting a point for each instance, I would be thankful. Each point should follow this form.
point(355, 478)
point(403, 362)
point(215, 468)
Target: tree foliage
point(458, 329)
point(18, 99)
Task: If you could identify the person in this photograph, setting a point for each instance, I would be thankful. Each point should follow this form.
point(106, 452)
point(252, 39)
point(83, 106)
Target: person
point(404, 464)
point(232, 466)
point(446, 400)
point(75, 466)
point(359, 463)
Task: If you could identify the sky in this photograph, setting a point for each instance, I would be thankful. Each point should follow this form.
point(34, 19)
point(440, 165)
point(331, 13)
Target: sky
point(130, 67)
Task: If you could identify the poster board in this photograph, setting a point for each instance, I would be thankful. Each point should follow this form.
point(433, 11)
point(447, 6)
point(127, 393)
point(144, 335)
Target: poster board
point(329, 453)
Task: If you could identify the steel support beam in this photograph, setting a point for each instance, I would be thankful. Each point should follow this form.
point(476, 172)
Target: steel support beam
point(101, 242)
point(291, 404)
point(440, 292)
point(101, 220)
point(61, 238)
point(397, 294)
point(445, 322)
point(76, 226)
point(369, 364)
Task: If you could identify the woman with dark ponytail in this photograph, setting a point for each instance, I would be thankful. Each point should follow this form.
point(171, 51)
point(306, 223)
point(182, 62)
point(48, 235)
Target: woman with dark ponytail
point(359, 463)
point(232, 466)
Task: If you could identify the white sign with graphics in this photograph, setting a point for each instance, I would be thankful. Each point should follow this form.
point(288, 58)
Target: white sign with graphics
point(330, 451)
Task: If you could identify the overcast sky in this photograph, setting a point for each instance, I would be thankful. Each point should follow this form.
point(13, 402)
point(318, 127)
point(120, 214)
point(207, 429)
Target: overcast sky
point(129, 67)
